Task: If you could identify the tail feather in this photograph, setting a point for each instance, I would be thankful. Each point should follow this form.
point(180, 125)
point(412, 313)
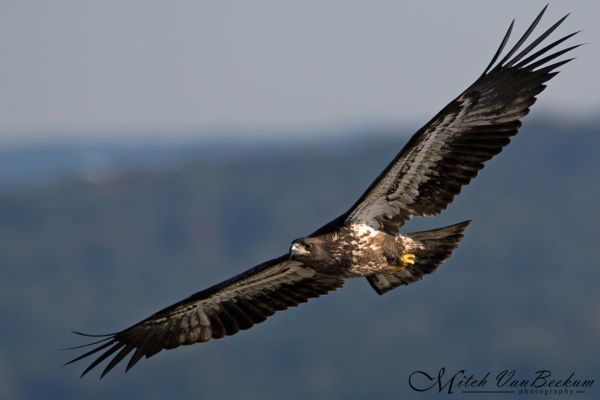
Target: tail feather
point(438, 246)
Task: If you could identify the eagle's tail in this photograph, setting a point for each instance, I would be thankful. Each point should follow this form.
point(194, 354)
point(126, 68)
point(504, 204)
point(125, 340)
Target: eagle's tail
point(438, 246)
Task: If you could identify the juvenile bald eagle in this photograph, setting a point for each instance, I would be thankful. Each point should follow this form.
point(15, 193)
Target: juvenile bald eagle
point(365, 241)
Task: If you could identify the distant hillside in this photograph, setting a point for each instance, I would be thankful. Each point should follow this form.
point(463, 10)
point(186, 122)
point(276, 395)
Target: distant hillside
point(99, 254)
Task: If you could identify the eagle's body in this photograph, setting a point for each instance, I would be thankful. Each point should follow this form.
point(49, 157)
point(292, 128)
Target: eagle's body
point(356, 250)
point(365, 241)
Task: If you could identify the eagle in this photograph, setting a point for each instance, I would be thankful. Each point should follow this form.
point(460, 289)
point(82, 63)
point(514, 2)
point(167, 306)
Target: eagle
point(422, 180)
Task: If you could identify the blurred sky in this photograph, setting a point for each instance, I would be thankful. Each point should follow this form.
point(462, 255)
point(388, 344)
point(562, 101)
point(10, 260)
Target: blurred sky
point(92, 67)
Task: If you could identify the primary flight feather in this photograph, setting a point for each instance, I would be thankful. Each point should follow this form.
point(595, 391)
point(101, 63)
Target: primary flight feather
point(421, 180)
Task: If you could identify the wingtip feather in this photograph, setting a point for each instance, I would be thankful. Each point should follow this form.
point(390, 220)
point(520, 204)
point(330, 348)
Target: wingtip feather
point(501, 47)
point(94, 335)
point(523, 38)
point(85, 345)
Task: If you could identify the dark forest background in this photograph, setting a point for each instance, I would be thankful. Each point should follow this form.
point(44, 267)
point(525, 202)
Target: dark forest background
point(95, 236)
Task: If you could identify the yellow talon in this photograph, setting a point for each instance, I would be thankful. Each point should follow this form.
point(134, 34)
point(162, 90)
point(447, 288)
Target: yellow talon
point(407, 259)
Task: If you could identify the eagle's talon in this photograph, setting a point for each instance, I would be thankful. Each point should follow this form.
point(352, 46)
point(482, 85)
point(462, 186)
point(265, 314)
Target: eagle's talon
point(407, 259)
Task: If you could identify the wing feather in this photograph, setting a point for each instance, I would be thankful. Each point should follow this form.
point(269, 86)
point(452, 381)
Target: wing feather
point(222, 310)
point(450, 149)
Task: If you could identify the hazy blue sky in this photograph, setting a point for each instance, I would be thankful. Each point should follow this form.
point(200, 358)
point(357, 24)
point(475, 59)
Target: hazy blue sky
point(87, 67)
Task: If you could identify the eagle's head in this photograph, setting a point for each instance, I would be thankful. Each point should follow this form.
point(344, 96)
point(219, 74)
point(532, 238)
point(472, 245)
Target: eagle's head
point(310, 251)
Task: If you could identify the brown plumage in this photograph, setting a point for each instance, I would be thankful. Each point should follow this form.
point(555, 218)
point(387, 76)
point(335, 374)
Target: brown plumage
point(422, 180)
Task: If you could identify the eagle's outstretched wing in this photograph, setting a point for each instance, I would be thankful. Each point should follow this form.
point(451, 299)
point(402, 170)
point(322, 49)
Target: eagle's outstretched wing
point(450, 149)
point(221, 310)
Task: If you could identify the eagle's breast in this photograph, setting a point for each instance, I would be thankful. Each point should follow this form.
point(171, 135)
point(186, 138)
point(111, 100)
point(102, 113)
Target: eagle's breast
point(367, 247)
point(372, 251)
